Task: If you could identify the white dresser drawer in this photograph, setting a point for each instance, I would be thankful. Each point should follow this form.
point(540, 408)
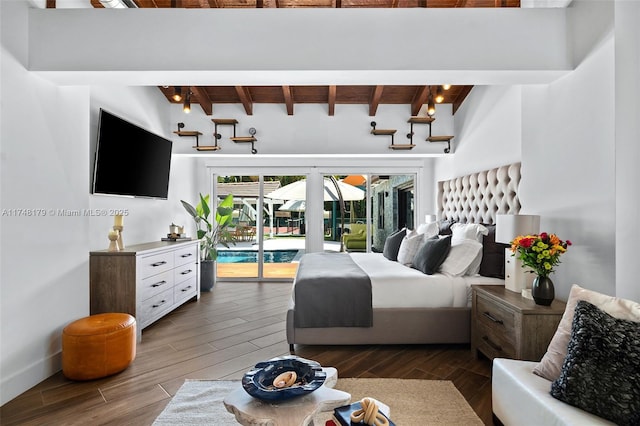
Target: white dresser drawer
point(152, 265)
point(184, 272)
point(156, 305)
point(186, 255)
point(155, 284)
point(185, 290)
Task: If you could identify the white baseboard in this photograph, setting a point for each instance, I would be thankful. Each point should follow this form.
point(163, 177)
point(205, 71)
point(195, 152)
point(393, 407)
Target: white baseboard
point(12, 385)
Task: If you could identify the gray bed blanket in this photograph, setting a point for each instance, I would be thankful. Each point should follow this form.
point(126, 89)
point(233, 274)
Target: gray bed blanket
point(331, 290)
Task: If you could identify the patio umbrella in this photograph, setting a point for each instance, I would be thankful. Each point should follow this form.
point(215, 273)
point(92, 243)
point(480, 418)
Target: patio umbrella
point(293, 206)
point(298, 191)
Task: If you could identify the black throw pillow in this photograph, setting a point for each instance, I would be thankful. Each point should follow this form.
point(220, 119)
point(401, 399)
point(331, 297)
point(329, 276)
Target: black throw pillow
point(601, 373)
point(392, 244)
point(430, 256)
point(492, 264)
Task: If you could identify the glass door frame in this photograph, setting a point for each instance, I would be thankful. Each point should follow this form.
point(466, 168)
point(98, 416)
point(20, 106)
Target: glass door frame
point(261, 172)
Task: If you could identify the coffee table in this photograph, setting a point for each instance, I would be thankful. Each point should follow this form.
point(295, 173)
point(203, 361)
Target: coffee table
point(294, 412)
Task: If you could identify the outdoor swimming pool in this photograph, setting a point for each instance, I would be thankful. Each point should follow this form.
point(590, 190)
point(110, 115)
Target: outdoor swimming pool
point(251, 256)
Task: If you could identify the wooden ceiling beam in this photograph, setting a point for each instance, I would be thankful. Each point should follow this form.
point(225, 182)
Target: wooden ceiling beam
point(245, 98)
point(419, 99)
point(394, 4)
point(457, 102)
point(214, 4)
point(203, 99)
point(332, 100)
point(375, 100)
point(259, 4)
point(461, 3)
point(96, 4)
point(338, 4)
point(288, 99)
point(422, 3)
point(204, 4)
point(51, 4)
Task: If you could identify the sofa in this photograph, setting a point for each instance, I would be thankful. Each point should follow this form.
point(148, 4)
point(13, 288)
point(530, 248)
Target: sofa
point(520, 397)
point(356, 240)
point(590, 374)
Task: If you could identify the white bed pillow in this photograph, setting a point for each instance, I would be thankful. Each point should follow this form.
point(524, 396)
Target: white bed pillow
point(471, 231)
point(428, 229)
point(409, 246)
point(461, 257)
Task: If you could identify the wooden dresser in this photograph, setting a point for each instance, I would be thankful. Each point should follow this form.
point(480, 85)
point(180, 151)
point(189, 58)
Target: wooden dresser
point(145, 280)
point(506, 325)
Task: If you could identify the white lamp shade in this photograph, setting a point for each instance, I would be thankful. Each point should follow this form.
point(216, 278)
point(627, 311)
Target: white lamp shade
point(509, 226)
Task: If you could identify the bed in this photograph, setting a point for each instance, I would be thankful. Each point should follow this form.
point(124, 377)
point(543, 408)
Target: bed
point(405, 305)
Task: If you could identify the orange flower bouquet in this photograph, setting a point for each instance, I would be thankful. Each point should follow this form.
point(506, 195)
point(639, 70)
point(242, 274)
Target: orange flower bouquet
point(539, 252)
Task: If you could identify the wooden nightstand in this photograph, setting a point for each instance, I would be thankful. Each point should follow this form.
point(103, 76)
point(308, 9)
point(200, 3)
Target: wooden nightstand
point(506, 325)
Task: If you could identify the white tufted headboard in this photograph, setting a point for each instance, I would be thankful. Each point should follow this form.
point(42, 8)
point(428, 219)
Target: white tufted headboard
point(478, 197)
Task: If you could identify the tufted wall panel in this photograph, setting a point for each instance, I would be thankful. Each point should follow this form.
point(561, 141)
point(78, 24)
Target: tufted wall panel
point(478, 197)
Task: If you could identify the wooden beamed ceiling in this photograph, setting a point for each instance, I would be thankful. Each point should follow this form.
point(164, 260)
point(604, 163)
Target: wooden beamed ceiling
point(372, 96)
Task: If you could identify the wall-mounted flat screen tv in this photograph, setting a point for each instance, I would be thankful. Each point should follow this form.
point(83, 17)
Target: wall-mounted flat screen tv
point(130, 160)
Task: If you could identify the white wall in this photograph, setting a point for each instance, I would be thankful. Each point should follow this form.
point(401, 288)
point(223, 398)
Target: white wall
point(566, 143)
point(487, 132)
point(147, 219)
point(627, 130)
point(44, 257)
point(311, 131)
point(45, 157)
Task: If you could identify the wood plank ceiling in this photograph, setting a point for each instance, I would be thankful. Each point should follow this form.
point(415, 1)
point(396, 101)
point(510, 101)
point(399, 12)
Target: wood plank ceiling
point(373, 96)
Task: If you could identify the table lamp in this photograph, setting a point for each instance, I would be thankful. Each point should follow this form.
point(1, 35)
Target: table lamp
point(508, 227)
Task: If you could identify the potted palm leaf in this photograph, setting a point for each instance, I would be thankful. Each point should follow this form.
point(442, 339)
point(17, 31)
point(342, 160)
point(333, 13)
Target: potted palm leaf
point(211, 233)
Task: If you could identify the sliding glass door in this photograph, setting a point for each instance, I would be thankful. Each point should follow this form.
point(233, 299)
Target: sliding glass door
point(268, 234)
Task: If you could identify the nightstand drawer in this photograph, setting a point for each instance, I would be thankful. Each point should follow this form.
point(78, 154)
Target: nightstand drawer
point(494, 316)
point(493, 344)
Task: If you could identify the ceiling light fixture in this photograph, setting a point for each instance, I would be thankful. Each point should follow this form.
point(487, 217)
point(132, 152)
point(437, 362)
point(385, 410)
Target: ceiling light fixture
point(439, 95)
point(431, 108)
point(177, 94)
point(446, 86)
point(186, 107)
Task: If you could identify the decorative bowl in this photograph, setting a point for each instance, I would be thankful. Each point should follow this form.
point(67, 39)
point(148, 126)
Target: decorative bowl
point(258, 382)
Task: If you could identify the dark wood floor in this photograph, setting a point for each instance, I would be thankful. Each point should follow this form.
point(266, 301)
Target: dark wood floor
point(221, 336)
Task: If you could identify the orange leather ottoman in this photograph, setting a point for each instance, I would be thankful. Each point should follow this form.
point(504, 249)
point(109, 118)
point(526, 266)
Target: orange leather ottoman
point(98, 346)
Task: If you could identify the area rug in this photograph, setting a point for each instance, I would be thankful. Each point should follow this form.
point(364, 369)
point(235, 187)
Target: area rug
point(412, 402)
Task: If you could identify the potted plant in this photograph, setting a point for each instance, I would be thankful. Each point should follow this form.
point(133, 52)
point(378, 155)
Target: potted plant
point(542, 254)
point(211, 233)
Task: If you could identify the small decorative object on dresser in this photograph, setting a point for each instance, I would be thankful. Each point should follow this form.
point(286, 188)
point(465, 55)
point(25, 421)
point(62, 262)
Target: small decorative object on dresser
point(506, 325)
point(113, 240)
point(540, 253)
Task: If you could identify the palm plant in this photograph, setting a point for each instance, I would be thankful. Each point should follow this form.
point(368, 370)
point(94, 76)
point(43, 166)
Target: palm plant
point(212, 233)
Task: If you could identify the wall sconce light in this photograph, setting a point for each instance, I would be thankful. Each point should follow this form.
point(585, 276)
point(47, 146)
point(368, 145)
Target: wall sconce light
point(439, 95)
point(177, 94)
point(446, 86)
point(186, 107)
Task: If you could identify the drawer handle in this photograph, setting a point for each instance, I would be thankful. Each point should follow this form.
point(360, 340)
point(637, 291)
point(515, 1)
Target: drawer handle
point(188, 271)
point(158, 284)
point(186, 255)
point(492, 318)
point(162, 302)
point(186, 289)
point(493, 345)
point(159, 263)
